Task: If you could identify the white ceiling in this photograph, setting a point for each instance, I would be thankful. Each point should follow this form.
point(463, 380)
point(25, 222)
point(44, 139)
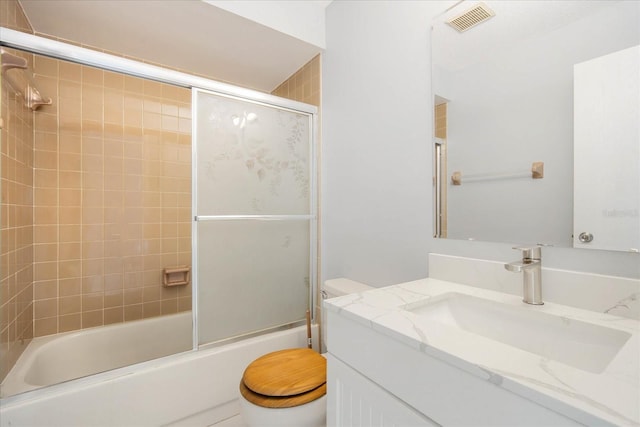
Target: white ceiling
point(197, 36)
point(514, 21)
point(189, 35)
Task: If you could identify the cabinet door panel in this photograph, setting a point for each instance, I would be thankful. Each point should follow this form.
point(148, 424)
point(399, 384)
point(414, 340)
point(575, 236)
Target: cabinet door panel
point(354, 400)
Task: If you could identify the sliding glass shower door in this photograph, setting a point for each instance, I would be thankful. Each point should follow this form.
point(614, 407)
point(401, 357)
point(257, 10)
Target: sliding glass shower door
point(254, 215)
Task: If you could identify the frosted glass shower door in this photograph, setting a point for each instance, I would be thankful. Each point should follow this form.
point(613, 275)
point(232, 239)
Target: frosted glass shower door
point(254, 216)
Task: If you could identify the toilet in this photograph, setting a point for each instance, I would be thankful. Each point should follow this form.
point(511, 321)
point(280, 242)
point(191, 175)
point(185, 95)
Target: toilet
point(288, 387)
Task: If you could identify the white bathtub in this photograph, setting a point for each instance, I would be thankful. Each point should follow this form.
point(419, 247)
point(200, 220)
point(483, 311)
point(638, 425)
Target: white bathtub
point(57, 358)
point(187, 389)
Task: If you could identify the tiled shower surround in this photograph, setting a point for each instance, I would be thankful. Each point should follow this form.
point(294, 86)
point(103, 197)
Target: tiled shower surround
point(16, 234)
point(96, 196)
point(112, 197)
point(96, 201)
point(303, 85)
point(16, 210)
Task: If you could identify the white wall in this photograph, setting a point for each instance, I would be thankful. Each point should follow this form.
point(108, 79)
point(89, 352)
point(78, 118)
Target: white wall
point(376, 141)
point(376, 155)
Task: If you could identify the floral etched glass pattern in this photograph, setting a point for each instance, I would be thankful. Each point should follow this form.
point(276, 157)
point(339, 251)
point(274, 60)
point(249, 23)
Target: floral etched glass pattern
point(252, 159)
point(254, 215)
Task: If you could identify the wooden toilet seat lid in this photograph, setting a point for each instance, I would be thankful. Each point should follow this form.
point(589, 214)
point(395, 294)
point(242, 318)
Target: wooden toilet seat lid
point(286, 372)
point(282, 401)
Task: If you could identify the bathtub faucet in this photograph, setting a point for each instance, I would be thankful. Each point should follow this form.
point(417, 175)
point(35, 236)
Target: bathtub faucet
point(531, 268)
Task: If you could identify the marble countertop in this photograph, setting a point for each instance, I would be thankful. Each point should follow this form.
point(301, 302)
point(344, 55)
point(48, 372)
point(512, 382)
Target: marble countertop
point(612, 395)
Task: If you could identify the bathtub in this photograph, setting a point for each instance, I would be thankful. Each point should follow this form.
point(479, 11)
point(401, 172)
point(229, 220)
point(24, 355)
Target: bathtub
point(58, 358)
point(186, 389)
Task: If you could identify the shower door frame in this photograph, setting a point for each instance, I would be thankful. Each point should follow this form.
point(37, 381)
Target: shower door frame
point(59, 50)
point(311, 217)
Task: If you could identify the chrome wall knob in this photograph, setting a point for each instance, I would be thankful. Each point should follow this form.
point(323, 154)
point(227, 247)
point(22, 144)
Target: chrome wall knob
point(585, 237)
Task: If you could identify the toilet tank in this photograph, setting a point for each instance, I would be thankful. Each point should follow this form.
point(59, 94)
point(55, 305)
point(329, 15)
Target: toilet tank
point(338, 287)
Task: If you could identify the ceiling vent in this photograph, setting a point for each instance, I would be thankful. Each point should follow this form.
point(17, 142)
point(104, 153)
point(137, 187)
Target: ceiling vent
point(472, 17)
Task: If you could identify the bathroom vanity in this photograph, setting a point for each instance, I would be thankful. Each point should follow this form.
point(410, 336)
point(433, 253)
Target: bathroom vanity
point(434, 352)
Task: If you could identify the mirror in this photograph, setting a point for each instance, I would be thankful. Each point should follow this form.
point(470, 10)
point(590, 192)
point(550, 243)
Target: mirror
point(504, 119)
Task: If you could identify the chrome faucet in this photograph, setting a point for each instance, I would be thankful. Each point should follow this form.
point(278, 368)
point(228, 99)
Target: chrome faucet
point(531, 268)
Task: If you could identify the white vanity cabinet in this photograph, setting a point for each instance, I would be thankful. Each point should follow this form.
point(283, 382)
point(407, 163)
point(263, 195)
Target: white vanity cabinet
point(374, 380)
point(433, 352)
point(355, 400)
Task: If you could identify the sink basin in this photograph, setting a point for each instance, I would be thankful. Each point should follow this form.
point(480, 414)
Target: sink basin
point(579, 344)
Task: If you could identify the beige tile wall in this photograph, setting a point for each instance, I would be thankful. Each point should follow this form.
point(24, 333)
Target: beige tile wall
point(303, 85)
point(441, 121)
point(112, 197)
point(16, 219)
point(12, 16)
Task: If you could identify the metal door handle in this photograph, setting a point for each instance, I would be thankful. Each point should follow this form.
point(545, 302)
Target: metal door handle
point(585, 237)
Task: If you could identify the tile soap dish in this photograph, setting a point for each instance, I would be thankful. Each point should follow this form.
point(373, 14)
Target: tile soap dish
point(176, 276)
